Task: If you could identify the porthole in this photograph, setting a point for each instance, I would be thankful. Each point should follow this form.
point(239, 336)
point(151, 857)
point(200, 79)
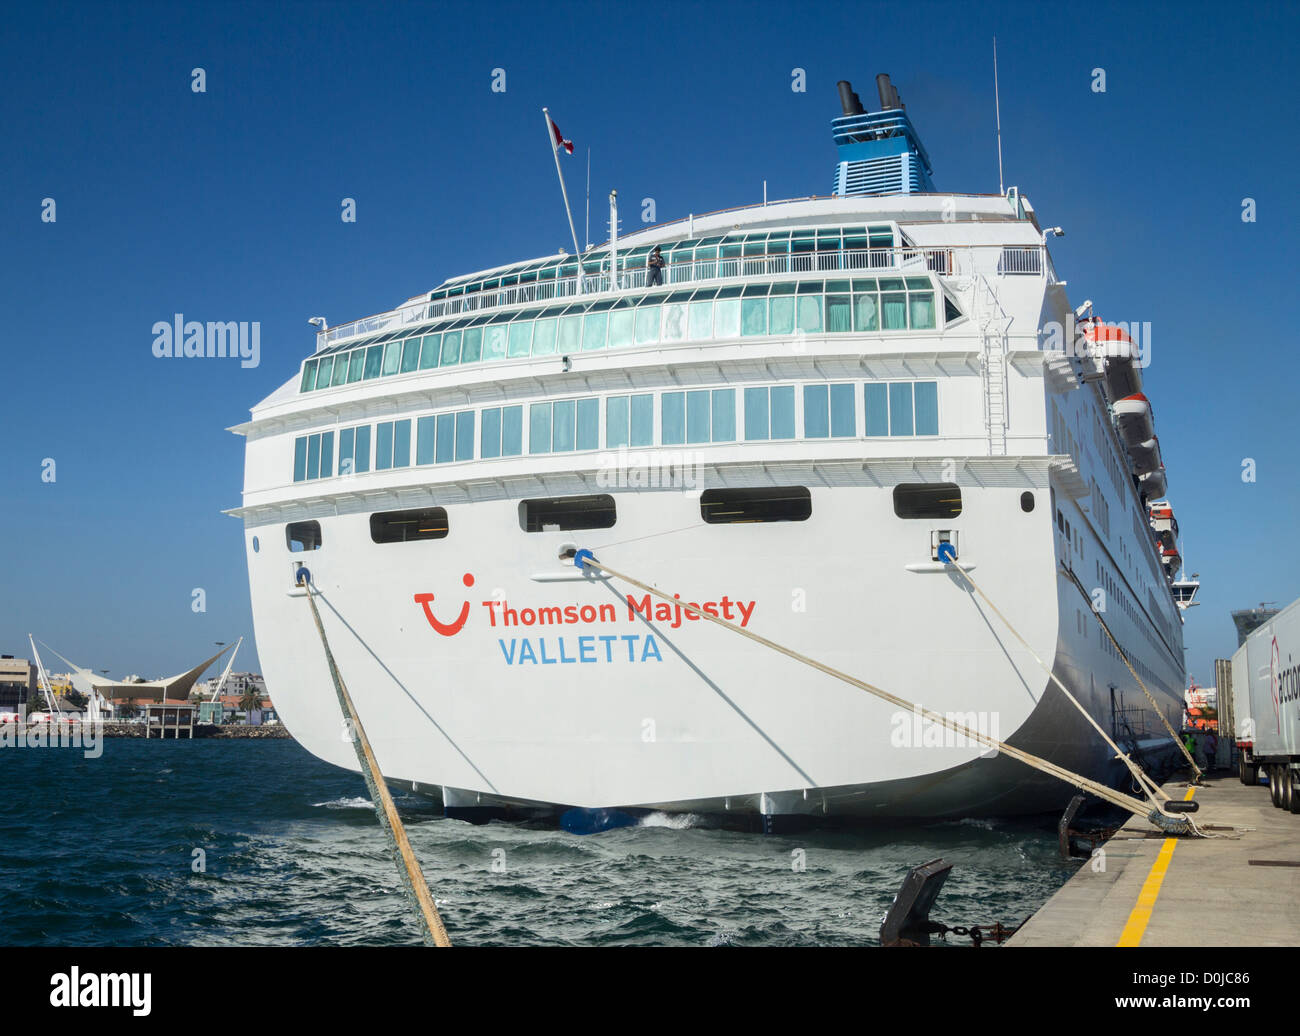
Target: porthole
point(256, 546)
point(1026, 501)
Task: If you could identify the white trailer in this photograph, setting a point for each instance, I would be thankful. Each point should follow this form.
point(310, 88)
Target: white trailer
point(1265, 697)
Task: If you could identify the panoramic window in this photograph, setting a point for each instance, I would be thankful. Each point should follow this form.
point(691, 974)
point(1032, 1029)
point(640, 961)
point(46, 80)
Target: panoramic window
point(902, 407)
point(313, 456)
point(569, 512)
point(300, 536)
point(766, 504)
point(423, 523)
point(927, 500)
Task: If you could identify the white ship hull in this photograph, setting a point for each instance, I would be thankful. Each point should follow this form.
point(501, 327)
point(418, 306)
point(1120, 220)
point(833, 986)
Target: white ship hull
point(685, 716)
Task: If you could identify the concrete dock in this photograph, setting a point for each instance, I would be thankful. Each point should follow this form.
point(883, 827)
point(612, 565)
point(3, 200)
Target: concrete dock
point(1241, 888)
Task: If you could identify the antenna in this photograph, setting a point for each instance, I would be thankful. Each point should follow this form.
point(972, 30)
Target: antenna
point(588, 228)
point(997, 107)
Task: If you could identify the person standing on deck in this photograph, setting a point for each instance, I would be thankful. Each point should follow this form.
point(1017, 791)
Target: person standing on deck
point(655, 263)
point(1210, 743)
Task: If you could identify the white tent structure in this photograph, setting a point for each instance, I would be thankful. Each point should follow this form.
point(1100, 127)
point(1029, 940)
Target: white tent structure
point(174, 688)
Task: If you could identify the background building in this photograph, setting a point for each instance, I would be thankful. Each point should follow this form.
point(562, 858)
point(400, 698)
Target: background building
point(17, 682)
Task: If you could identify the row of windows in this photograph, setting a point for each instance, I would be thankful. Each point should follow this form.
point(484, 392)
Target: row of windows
point(598, 511)
point(737, 311)
point(730, 246)
point(686, 417)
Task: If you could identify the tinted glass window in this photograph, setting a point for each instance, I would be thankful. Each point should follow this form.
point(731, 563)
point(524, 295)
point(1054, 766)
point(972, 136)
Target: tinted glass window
point(425, 523)
point(927, 500)
point(767, 504)
point(570, 512)
point(300, 536)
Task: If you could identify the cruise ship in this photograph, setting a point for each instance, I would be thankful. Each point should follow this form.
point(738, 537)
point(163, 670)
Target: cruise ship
point(825, 407)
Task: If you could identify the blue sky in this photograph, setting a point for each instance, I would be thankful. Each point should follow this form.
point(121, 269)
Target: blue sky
point(225, 205)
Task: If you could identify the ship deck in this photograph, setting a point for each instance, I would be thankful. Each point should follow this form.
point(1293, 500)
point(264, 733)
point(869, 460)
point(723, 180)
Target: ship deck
point(1239, 888)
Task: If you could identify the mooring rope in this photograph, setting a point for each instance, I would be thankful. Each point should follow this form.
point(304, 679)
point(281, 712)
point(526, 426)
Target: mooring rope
point(1153, 792)
point(412, 877)
point(1167, 822)
point(1155, 707)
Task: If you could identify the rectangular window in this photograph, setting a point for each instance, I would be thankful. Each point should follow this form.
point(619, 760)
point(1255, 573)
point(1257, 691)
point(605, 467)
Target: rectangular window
point(647, 325)
point(588, 424)
point(674, 322)
point(392, 358)
point(326, 454)
point(544, 337)
point(726, 318)
point(300, 458)
point(927, 409)
point(595, 327)
point(838, 315)
point(724, 415)
point(383, 445)
point(563, 420)
point(766, 504)
point(672, 418)
point(356, 365)
point(425, 523)
point(340, 369)
point(539, 428)
point(512, 431)
point(642, 420)
point(810, 314)
point(300, 536)
point(701, 321)
point(324, 372)
point(844, 418)
point(698, 409)
point(876, 395)
point(494, 341)
point(313, 457)
point(374, 361)
point(900, 408)
point(430, 347)
point(450, 348)
point(521, 339)
point(471, 346)
point(308, 376)
point(410, 355)
point(565, 513)
point(781, 313)
point(617, 415)
point(464, 435)
point(753, 317)
point(444, 451)
point(426, 433)
point(622, 323)
point(570, 333)
point(927, 500)
point(816, 412)
point(769, 413)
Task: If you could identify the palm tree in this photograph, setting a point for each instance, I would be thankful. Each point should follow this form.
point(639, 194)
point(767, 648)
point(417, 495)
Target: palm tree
point(251, 699)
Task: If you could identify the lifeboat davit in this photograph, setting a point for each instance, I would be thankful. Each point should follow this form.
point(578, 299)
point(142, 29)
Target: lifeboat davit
point(1154, 484)
point(1134, 417)
point(1146, 456)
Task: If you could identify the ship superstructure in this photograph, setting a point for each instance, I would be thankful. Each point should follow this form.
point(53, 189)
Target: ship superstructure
point(824, 392)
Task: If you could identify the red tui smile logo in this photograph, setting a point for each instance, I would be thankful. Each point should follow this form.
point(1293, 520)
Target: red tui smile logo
point(446, 629)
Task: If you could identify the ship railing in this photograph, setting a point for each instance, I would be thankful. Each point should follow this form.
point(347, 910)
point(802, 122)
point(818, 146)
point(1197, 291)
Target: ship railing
point(632, 274)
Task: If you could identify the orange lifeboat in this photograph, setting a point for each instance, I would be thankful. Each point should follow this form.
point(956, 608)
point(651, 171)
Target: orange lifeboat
point(1134, 417)
point(1113, 345)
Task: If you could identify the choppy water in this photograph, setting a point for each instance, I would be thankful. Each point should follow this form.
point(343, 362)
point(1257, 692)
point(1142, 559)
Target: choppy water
point(102, 852)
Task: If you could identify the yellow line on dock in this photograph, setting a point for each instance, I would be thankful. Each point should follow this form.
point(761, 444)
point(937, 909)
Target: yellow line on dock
point(1146, 902)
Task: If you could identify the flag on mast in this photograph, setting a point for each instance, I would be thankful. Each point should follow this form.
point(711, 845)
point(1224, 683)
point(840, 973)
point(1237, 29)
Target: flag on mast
point(559, 138)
